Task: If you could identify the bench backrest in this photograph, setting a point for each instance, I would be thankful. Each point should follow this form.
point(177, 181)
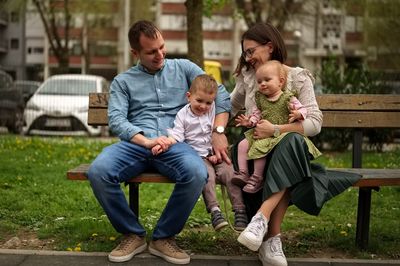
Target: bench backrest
point(339, 110)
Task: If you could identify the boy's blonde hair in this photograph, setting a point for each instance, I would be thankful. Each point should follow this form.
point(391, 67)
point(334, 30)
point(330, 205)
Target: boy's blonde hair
point(205, 83)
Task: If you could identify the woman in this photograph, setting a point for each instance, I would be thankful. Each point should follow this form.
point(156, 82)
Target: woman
point(289, 177)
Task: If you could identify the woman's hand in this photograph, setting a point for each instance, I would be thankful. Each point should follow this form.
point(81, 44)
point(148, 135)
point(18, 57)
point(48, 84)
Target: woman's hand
point(264, 129)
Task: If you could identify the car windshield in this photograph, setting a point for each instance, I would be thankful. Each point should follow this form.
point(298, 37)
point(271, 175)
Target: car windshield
point(68, 87)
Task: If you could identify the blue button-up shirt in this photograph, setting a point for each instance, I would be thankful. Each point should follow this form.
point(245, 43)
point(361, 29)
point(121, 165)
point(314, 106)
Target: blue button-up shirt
point(146, 103)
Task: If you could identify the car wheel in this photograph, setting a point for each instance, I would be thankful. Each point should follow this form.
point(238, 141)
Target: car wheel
point(18, 122)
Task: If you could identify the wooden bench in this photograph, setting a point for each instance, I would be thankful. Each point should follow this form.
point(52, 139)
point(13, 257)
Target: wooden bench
point(340, 111)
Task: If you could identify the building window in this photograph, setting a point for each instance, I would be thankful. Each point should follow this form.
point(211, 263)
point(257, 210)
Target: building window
point(35, 50)
point(14, 17)
point(38, 50)
point(14, 45)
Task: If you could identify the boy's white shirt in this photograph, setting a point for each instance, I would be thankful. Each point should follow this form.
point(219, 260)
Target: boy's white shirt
point(193, 129)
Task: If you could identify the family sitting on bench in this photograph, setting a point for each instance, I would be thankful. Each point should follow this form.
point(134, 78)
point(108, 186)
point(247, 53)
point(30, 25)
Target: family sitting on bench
point(143, 104)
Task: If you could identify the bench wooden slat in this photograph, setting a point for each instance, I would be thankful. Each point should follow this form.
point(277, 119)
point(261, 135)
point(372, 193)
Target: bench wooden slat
point(337, 119)
point(352, 119)
point(97, 117)
point(80, 173)
point(361, 111)
point(359, 102)
point(370, 177)
point(98, 100)
point(374, 177)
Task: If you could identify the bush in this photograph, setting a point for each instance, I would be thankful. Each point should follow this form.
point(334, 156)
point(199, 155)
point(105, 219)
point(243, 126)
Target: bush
point(350, 80)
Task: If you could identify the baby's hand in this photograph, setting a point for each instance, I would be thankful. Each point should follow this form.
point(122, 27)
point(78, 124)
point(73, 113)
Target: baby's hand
point(295, 115)
point(242, 120)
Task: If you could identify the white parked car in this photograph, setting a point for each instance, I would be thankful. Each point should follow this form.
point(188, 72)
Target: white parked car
point(60, 105)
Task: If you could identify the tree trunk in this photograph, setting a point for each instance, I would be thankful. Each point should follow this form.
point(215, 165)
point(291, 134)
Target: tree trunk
point(194, 17)
point(60, 49)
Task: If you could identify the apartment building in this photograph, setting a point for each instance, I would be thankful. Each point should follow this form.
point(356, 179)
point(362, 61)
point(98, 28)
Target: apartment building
point(12, 42)
point(324, 31)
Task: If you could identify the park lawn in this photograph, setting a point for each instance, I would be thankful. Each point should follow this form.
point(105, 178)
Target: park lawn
point(38, 202)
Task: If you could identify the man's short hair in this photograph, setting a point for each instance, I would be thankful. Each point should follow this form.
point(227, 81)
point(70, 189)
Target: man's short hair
point(145, 27)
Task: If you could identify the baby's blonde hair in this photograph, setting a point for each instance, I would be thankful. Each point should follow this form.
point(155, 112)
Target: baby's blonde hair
point(205, 83)
point(279, 67)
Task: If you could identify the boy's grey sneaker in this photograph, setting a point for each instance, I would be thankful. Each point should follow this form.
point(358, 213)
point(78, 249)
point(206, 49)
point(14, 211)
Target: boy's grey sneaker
point(241, 220)
point(253, 235)
point(218, 221)
point(271, 252)
point(130, 245)
point(167, 249)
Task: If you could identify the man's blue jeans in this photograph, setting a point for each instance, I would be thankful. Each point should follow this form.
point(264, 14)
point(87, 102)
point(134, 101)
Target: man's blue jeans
point(123, 160)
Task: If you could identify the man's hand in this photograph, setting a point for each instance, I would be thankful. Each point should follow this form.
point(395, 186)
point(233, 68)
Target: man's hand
point(220, 147)
point(156, 150)
point(159, 145)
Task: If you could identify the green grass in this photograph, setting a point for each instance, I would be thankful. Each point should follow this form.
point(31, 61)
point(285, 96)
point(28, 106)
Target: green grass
point(37, 199)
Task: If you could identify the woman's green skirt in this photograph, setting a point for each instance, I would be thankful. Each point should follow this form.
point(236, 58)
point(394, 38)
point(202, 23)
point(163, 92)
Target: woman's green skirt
point(288, 166)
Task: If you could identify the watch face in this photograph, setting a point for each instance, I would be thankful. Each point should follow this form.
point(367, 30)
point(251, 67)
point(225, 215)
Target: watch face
point(220, 129)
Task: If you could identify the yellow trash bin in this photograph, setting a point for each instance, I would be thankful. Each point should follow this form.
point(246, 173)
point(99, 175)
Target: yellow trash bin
point(213, 68)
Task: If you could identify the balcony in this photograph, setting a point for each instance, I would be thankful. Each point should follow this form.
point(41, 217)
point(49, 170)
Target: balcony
point(3, 46)
point(3, 18)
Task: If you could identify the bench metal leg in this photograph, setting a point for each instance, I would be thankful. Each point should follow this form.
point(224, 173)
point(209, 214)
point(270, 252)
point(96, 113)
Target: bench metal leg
point(363, 216)
point(357, 148)
point(134, 197)
point(364, 195)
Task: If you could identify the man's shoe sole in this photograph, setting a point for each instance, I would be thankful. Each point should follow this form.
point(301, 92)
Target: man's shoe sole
point(129, 256)
point(248, 243)
point(157, 253)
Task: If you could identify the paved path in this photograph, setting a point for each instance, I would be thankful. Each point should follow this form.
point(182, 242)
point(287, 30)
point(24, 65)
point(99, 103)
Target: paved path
point(14, 257)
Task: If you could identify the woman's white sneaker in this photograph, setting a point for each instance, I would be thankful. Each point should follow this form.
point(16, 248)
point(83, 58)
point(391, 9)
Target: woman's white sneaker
point(253, 235)
point(271, 253)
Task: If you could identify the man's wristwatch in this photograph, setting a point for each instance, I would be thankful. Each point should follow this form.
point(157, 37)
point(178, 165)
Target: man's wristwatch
point(219, 130)
point(277, 132)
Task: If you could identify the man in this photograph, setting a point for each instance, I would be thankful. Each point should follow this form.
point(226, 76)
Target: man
point(142, 105)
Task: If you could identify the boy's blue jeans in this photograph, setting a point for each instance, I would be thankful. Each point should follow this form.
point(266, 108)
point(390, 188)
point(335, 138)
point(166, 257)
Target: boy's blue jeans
point(124, 160)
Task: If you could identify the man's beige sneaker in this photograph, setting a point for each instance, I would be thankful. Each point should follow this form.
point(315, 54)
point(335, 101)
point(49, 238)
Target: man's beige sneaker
point(130, 245)
point(168, 250)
